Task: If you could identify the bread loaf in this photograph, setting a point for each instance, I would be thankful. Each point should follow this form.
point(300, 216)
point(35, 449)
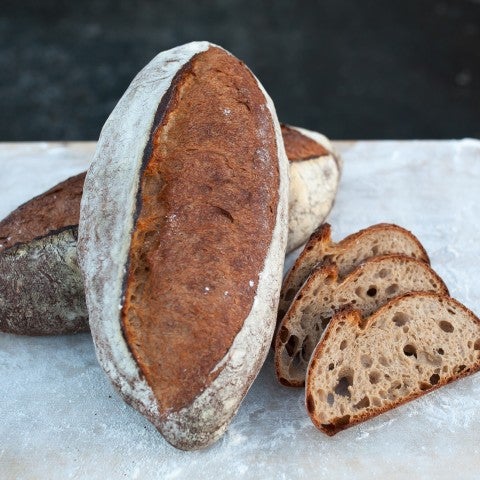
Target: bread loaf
point(41, 288)
point(182, 236)
point(380, 239)
point(364, 366)
point(314, 176)
point(50, 299)
point(368, 287)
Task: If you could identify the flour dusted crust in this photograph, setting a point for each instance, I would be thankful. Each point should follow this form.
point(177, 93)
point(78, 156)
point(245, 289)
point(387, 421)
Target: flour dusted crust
point(314, 182)
point(111, 187)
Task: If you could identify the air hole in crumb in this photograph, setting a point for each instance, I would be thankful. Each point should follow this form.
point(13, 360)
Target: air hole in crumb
point(383, 273)
point(363, 403)
point(375, 250)
point(290, 294)
point(342, 421)
point(400, 319)
point(410, 350)
point(476, 345)
point(383, 394)
point(366, 361)
point(372, 291)
point(316, 291)
point(331, 366)
point(330, 399)
point(292, 345)
point(424, 386)
point(434, 379)
point(343, 345)
point(376, 401)
point(469, 344)
point(392, 289)
point(374, 377)
point(383, 361)
point(299, 296)
point(344, 382)
point(405, 329)
point(460, 368)
point(445, 369)
point(359, 292)
point(310, 403)
point(446, 326)
point(453, 312)
point(441, 351)
point(283, 334)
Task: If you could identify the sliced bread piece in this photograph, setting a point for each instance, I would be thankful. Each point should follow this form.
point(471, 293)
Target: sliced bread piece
point(368, 287)
point(381, 239)
point(412, 345)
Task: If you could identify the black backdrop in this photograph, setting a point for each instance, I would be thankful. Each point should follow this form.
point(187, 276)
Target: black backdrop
point(351, 69)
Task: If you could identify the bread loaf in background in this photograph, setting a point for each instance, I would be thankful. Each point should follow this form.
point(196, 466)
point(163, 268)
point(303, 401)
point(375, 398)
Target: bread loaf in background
point(182, 237)
point(41, 289)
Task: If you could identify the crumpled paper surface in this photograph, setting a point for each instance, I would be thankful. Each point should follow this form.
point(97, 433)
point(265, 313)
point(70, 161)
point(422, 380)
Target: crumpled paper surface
point(60, 417)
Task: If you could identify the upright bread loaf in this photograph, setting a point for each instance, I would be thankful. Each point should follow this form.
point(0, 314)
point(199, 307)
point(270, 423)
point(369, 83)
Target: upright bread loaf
point(182, 236)
point(41, 288)
point(364, 366)
point(380, 239)
point(314, 176)
point(51, 299)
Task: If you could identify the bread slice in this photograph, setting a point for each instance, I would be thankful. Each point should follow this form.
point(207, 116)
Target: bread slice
point(182, 237)
point(380, 239)
point(412, 345)
point(315, 171)
point(368, 287)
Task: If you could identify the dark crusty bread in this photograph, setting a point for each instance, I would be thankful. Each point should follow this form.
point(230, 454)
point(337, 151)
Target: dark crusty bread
point(380, 239)
point(368, 287)
point(412, 345)
point(41, 287)
point(50, 298)
point(182, 236)
point(314, 176)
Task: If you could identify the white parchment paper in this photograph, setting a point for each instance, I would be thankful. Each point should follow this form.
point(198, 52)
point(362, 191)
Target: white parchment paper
point(60, 418)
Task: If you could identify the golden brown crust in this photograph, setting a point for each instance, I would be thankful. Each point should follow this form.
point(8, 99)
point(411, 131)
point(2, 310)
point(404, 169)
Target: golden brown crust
point(51, 211)
point(353, 316)
point(300, 147)
point(205, 220)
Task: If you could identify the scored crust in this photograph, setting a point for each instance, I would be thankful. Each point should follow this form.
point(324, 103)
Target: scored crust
point(441, 311)
point(368, 287)
point(111, 187)
point(379, 239)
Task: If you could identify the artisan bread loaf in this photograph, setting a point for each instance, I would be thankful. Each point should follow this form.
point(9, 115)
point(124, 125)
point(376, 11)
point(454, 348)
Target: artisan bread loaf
point(41, 287)
point(368, 287)
point(182, 236)
point(364, 366)
point(314, 176)
point(380, 239)
point(54, 303)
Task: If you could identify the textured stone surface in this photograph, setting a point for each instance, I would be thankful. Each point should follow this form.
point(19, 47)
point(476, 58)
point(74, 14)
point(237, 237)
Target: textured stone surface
point(62, 419)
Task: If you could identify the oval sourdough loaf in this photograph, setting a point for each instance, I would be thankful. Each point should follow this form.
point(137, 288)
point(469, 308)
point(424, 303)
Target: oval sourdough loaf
point(183, 230)
point(41, 287)
point(314, 176)
point(50, 298)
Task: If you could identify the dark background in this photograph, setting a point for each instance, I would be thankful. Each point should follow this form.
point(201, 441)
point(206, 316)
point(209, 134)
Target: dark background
point(351, 69)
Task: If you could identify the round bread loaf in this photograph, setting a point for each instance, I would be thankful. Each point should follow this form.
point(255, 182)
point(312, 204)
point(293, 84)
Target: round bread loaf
point(182, 236)
point(314, 177)
point(41, 286)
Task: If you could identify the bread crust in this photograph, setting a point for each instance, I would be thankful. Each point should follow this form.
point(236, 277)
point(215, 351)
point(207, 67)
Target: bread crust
point(111, 187)
point(354, 317)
